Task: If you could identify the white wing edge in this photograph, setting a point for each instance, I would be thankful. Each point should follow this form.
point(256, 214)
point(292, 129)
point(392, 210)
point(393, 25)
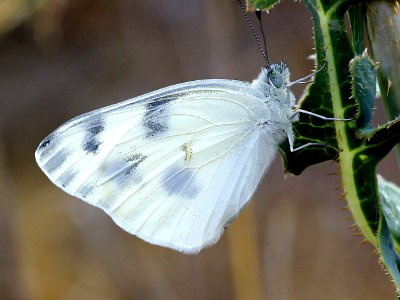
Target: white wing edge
point(190, 86)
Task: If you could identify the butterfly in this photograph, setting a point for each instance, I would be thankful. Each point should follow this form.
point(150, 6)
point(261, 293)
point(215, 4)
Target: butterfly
point(177, 165)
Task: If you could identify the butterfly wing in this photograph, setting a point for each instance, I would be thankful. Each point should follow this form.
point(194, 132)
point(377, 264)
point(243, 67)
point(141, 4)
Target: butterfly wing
point(173, 167)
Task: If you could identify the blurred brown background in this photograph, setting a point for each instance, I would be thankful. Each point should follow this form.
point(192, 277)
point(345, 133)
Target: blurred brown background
point(61, 58)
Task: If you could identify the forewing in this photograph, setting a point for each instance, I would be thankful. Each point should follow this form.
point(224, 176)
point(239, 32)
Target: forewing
point(173, 167)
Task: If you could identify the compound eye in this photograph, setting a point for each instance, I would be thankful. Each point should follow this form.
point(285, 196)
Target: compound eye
point(276, 79)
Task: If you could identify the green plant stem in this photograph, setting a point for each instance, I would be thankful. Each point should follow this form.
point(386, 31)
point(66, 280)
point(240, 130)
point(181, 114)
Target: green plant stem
point(331, 27)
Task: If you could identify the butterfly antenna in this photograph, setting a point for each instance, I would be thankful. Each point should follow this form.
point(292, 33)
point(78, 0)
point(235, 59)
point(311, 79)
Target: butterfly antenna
point(258, 14)
point(246, 17)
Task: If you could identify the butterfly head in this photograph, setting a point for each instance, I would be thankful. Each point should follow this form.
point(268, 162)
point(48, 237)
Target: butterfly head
point(273, 81)
point(275, 76)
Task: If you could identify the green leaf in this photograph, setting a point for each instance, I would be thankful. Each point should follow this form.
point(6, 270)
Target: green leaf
point(363, 77)
point(319, 97)
point(262, 4)
point(318, 100)
point(389, 229)
point(389, 195)
point(359, 175)
point(383, 139)
point(357, 162)
point(312, 129)
point(388, 255)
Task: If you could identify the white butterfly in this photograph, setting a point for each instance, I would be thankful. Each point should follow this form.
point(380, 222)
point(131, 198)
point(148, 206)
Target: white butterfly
point(175, 166)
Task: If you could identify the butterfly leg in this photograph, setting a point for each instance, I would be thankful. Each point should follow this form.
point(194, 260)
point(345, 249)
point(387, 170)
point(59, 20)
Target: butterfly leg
point(290, 137)
point(300, 80)
point(308, 145)
point(291, 144)
point(316, 115)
